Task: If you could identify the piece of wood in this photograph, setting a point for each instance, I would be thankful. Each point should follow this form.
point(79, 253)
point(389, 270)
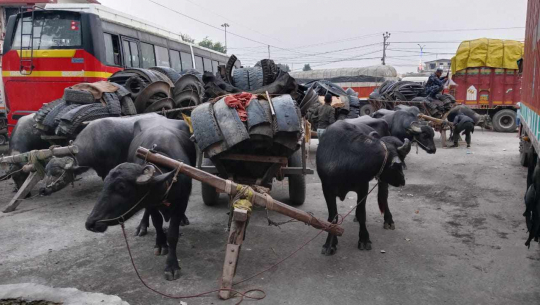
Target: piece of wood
point(435, 120)
point(220, 185)
point(254, 158)
point(232, 254)
point(443, 137)
point(271, 104)
point(41, 154)
point(27, 186)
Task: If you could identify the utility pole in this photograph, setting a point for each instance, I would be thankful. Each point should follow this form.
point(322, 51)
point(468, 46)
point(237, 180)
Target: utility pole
point(225, 25)
point(385, 44)
point(268, 51)
point(421, 52)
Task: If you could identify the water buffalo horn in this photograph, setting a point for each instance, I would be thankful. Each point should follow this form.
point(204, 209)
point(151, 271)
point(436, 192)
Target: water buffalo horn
point(415, 127)
point(405, 148)
point(147, 174)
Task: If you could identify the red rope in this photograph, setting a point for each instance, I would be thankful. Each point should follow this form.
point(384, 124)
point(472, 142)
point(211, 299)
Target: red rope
point(244, 294)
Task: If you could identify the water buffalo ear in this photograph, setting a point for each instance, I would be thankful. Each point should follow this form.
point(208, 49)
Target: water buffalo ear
point(415, 127)
point(69, 163)
point(146, 176)
point(404, 149)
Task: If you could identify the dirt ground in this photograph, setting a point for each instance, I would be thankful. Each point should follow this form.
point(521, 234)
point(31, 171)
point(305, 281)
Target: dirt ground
point(459, 239)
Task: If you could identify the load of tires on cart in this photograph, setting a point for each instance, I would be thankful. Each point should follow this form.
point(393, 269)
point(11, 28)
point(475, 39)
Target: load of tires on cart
point(248, 123)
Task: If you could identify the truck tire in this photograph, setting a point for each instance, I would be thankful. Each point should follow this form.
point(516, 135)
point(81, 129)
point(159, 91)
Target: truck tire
point(3, 139)
point(169, 72)
point(366, 110)
point(297, 183)
point(209, 195)
point(256, 78)
point(504, 121)
point(241, 78)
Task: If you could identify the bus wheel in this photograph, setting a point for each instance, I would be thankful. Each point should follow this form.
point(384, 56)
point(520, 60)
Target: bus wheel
point(504, 121)
point(366, 110)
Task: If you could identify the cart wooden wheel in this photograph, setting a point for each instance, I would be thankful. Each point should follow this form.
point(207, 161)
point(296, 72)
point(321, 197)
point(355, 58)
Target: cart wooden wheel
point(297, 183)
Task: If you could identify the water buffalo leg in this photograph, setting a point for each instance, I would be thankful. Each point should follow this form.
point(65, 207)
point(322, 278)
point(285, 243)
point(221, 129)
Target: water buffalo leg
point(142, 228)
point(161, 247)
point(382, 198)
point(330, 246)
point(363, 242)
point(172, 268)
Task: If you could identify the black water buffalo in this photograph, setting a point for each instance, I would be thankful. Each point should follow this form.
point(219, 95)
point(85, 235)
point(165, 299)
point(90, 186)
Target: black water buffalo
point(404, 125)
point(411, 109)
point(104, 144)
point(378, 125)
point(348, 157)
point(130, 187)
point(24, 138)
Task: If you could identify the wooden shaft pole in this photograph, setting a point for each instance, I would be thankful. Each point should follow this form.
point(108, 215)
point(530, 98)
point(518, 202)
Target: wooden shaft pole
point(258, 199)
point(41, 154)
point(435, 120)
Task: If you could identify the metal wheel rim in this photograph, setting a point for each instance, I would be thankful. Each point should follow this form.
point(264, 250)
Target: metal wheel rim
point(506, 121)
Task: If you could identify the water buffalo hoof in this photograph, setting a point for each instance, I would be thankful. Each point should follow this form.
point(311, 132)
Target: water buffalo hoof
point(141, 231)
point(184, 221)
point(171, 275)
point(355, 219)
point(364, 246)
point(326, 250)
point(389, 226)
point(161, 250)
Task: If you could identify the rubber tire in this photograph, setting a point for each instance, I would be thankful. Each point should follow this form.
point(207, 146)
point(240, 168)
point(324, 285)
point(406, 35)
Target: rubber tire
point(297, 183)
point(241, 78)
point(209, 195)
point(256, 78)
point(3, 139)
point(499, 116)
point(366, 110)
point(169, 72)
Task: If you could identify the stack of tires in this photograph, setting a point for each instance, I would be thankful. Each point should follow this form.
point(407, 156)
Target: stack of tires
point(253, 78)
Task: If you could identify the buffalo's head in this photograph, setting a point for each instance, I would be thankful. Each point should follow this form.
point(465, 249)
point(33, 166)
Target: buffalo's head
point(59, 172)
point(395, 162)
point(423, 134)
point(127, 189)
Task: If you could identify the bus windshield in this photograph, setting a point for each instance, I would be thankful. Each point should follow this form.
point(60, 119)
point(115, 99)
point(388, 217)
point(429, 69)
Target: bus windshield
point(52, 30)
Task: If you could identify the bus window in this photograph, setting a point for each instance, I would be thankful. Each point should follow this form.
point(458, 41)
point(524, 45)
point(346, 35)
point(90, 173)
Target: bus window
point(207, 65)
point(148, 57)
point(175, 60)
point(162, 56)
point(112, 49)
point(214, 66)
point(134, 54)
point(199, 64)
point(51, 31)
point(187, 63)
point(131, 53)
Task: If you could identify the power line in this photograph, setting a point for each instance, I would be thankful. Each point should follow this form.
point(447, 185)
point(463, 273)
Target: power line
point(231, 20)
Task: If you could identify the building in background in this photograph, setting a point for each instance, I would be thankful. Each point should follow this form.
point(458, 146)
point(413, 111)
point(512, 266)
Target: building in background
point(431, 66)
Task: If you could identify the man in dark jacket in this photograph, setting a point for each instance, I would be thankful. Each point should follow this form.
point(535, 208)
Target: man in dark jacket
point(326, 115)
point(463, 124)
point(435, 83)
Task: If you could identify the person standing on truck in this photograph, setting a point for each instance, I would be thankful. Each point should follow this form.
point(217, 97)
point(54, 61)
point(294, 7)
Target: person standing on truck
point(326, 115)
point(463, 124)
point(435, 83)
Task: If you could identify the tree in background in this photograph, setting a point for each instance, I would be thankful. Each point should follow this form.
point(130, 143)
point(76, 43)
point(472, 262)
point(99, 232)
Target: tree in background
point(307, 67)
point(284, 68)
point(217, 46)
point(187, 38)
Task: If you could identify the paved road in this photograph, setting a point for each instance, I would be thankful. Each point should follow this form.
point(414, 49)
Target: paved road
point(459, 239)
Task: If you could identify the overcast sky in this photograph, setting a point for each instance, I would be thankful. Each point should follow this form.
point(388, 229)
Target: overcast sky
point(332, 34)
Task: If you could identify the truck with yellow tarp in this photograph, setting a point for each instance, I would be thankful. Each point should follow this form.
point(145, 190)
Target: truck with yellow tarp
point(487, 79)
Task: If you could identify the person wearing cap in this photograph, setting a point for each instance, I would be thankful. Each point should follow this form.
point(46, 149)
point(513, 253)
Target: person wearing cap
point(326, 114)
point(464, 125)
point(435, 83)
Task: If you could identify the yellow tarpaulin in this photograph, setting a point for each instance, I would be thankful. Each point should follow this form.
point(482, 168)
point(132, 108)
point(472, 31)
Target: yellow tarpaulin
point(484, 52)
